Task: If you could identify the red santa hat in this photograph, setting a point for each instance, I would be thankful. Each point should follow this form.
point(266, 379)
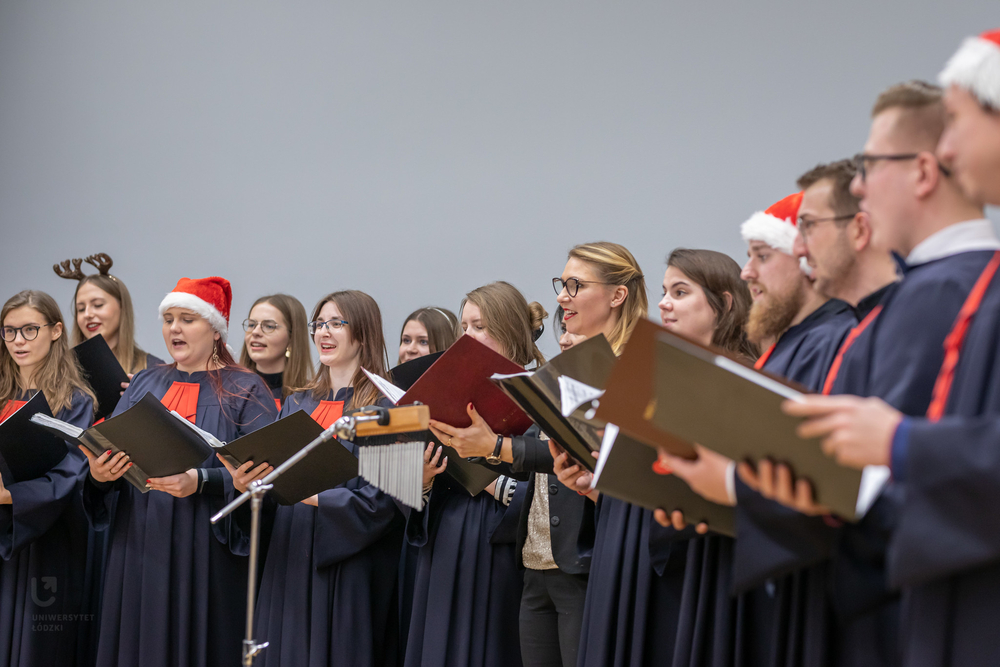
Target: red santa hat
point(209, 297)
point(777, 226)
point(976, 68)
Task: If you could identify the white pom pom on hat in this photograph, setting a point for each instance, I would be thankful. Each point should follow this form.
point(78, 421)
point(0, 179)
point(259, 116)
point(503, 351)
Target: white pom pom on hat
point(975, 67)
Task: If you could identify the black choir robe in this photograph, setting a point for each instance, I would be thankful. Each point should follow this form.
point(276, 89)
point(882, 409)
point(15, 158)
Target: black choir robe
point(175, 585)
point(328, 594)
point(46, 614)
point(860, 609)
point(466, 585)
point(776, 625)
point(944, 551)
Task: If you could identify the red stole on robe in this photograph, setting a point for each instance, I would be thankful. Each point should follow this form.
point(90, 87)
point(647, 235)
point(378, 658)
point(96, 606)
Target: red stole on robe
point(182, 398)
point(328, 412)
point(956, 339)
point(9, 409)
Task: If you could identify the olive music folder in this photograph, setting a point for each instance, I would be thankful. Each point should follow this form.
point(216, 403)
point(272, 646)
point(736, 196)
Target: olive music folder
point(706, 397)
point(688, 393)
point(625, 471)
point(543, 395)
point(26, 452)
point(628, 397)
point(328, 465)
point(159, 442)
point(102, 370)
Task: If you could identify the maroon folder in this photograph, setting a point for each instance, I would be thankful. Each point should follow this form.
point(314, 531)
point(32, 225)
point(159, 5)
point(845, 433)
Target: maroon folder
point(462, 376)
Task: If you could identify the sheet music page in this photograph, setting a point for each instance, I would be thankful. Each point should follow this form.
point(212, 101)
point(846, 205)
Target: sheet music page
point(213, 442)
point(573, 394)
point(873, 479)
point(52, 422)
point(388, 389)
point(607, 442)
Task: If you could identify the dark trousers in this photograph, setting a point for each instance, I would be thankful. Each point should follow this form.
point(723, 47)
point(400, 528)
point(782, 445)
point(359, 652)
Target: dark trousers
point(551, 617)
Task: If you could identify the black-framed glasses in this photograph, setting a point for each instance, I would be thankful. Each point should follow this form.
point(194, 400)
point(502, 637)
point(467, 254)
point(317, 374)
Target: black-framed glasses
point(806, 225)
point(861, 161)
point(572, 285)
point(330, 325)
point(266, 326)
point(28, 332)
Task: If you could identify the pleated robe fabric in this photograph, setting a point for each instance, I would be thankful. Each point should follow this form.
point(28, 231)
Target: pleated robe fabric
point(634, 592)
point(945, 549)
point(175, 585)
point(328, 595)
point(775, 622)
point(46, 613)
point(467, 586)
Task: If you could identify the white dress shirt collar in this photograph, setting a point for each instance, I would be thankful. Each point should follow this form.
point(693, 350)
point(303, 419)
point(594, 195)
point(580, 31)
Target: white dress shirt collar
point(954, 239)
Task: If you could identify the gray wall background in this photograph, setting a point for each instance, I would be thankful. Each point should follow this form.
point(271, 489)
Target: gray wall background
point(418, 150)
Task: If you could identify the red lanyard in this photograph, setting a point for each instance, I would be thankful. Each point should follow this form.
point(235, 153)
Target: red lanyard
point(851, 337)
point(956, 338)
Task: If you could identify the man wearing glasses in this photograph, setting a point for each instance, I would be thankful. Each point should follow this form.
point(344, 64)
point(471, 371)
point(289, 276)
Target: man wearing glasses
point(918, 210)
point(944, 548)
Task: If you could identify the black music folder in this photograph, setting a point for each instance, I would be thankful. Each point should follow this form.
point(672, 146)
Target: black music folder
point(625, 471)
point(159, 442)
point(328, 465)
point(25, 452)
point(550, 394)
point(102, 370)
point(408, 372)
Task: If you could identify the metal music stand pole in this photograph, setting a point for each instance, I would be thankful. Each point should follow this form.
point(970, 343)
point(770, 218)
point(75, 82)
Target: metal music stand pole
point(344, 429)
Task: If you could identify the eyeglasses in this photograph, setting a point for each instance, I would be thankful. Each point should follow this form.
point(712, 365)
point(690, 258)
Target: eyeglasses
point(266, 326)
point(861, 161)
point(28, 332)
point(806, 224)
point(572, 285)
point(330, 325)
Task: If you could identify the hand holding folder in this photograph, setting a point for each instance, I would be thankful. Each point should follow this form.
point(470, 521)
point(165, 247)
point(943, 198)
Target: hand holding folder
point(461, 375)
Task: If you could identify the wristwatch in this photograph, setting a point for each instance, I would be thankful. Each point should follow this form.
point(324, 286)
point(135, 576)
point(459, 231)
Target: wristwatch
point(494, 458)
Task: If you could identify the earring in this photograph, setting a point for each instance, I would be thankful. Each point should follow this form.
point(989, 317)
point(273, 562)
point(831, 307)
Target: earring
point(288, 353)
point(215, 357)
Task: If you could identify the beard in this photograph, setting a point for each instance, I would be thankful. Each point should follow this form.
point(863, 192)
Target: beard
point(772, 314)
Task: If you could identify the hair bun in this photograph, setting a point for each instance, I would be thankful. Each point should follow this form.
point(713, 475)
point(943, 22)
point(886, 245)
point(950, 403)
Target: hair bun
point(537, 316)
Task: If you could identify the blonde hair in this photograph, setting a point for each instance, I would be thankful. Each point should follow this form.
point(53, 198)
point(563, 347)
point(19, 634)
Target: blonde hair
point(615, 265)
point(365, 327)
point(298, 367)
point(510, 320)
point(59, 374)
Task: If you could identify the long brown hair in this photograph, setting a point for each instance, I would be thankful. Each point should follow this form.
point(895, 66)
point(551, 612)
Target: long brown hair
point(366, 328)
point(717, 275)
point(510, 320)
point(298, 367)
point(132, 357)
point(59, 375)
point(442, 326)
point(615, 265)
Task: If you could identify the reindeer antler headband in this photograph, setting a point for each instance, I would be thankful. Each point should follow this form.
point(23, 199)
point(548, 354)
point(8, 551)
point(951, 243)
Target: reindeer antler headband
point(101, 261)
